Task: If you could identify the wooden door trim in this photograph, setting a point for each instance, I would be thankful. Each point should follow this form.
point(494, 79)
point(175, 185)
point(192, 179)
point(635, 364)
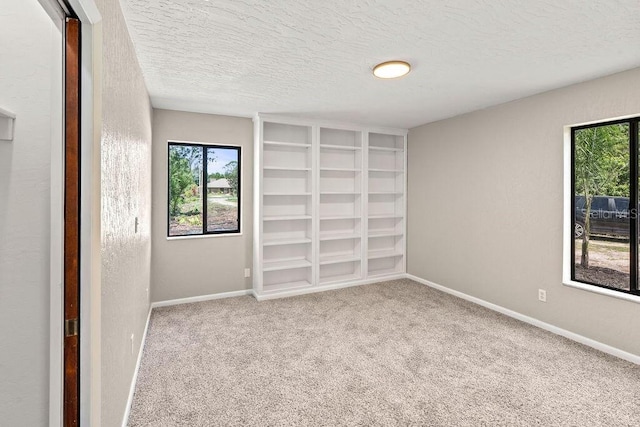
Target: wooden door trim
point(71, 293)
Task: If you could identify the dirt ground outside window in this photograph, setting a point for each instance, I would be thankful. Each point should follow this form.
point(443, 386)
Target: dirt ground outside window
point(608, 263)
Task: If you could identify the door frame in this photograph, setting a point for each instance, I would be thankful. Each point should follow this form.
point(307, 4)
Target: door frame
point(72, 225)
point(90, 70)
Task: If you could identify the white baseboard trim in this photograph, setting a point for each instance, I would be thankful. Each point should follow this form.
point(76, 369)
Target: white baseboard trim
point(132, 389)
point(275, 295)
point(329, 287)
point(535, 322)
point(201, 298)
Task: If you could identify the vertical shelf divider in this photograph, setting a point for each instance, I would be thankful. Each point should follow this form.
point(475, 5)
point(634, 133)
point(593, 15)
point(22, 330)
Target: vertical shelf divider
point(365, 203)
point(406, 201)
point(315, 204)
point(257, 203)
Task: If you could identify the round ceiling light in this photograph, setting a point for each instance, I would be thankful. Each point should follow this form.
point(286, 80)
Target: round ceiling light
point(391, 69)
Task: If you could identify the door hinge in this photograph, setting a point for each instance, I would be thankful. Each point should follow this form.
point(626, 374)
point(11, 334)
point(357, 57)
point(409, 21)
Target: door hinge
point(71, 327)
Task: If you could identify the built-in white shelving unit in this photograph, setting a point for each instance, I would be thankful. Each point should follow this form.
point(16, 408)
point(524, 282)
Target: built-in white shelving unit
point(341, 168)
point(329, 205)
point(387, 204)
point(286, 207)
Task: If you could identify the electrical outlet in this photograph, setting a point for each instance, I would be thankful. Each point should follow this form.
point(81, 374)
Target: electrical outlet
point(542, 295)
point(132, 343)
point(247, 272)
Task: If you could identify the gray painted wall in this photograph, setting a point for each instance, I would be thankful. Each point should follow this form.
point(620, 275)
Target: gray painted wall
point(126, 194)
point(30, 49)
point(208, 265)
point(486, 206)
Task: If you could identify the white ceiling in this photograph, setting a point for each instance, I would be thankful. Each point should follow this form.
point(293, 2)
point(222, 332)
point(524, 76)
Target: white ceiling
point(314, 57)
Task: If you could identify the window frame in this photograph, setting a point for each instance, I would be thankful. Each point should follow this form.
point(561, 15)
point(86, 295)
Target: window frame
point(634, 268)
point(204, 232)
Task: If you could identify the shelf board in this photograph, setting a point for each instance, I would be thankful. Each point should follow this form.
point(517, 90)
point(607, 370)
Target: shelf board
point(374, 148)
point(338, 259)
point(339, 278)
point(384, 272)
point(339, 236)
point(286, 194)
point(387, 193)
point(278, 168)
point(385, 233)
point(285, 241)
point(286, 286)
point(288, 264)
point(340, 147)
point(336, 217)
point(386, 216)
point(285, 217)
point(333, 193)
point(386, 170)
point(340, 170)
point(387, 253)
point(286, 144)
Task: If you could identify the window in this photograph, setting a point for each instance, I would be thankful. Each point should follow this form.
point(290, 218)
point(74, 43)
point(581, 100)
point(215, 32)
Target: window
point(204, 189)
point(604, 184)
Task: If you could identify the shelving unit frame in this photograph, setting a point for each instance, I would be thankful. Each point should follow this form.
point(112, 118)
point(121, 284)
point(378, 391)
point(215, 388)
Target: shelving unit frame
point(325, 232)
point(387, 183)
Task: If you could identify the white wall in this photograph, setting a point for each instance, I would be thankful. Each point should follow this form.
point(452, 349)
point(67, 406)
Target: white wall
point(31, 54)
point(209, 265)
point(486, 206)
point(126, 194)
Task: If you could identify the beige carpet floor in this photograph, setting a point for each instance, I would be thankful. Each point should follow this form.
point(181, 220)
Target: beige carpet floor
point(390, 354)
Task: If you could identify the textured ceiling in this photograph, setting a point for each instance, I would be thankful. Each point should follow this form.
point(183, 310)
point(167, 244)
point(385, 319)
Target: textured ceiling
point(314, 58)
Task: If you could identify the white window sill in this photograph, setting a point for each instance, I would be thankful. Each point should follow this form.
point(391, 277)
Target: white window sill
point(602, 291)
point(204, 236)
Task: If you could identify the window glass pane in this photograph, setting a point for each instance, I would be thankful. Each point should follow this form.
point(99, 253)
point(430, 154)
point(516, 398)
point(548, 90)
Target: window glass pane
point(601, 213)
point(223, 189)
point(185, 194)
point(599, 204)
point(622, 204)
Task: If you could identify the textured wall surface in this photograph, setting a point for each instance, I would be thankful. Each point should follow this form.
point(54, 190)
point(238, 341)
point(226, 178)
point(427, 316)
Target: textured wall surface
point(126, 194)
point(199, 266)
point(315, 57)
point(486, 206)
point(26, 88)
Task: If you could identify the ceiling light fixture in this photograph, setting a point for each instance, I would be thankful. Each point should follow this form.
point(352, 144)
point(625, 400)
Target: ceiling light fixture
point(391, 69)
